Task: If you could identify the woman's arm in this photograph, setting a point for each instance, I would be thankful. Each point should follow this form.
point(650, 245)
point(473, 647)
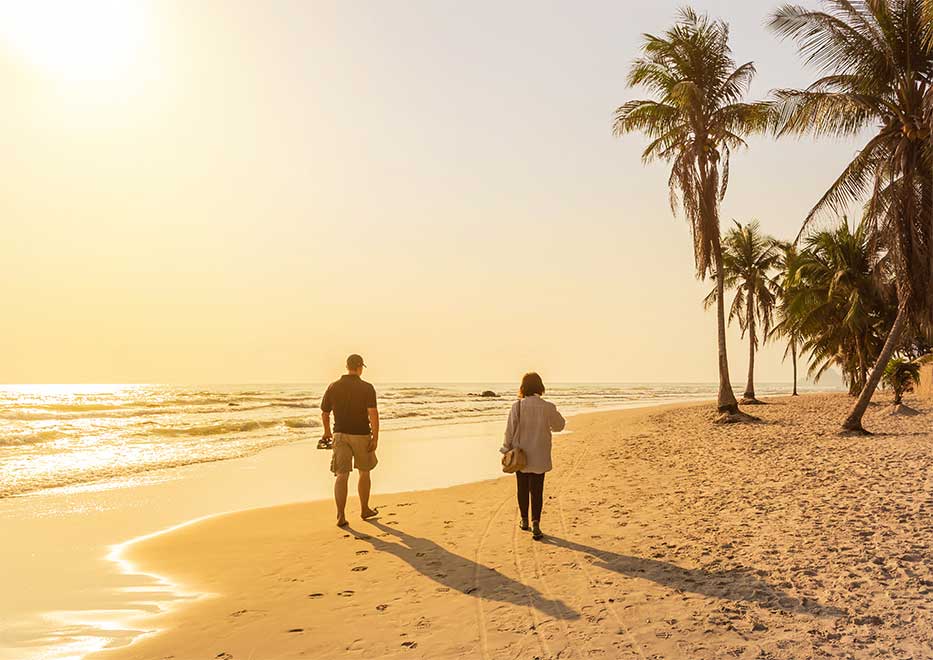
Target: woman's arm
point(556, 420)
point(511, 427)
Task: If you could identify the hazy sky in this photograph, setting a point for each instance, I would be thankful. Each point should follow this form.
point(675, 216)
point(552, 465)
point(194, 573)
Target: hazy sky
point(248, 191)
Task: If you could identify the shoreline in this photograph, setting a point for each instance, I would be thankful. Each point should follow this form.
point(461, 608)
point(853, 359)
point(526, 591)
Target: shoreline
point(426, 569)
point(69, 599)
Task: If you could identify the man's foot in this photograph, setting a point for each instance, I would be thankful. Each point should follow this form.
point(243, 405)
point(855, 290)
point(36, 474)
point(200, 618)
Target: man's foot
point(369, 513)
point(342, 522)
point(536, 532)
point(524, 526)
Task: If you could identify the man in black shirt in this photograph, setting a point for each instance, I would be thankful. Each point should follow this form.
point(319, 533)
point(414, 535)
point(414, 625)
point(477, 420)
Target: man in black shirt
point(355, 435)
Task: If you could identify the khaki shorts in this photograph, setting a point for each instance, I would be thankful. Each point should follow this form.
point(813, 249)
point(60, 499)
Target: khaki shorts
point(352, 451)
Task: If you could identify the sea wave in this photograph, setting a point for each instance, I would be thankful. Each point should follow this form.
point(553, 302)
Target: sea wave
point(220, 428)
point(32, 438)
point(302, 423)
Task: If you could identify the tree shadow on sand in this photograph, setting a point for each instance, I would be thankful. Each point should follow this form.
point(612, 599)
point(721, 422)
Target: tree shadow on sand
point(734, 584)
point(460, 573)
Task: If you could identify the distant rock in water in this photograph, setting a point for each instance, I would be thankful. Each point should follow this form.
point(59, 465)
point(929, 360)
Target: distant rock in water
point(489, 394)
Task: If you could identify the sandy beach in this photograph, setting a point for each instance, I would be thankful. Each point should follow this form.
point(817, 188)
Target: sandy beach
point(668, 537)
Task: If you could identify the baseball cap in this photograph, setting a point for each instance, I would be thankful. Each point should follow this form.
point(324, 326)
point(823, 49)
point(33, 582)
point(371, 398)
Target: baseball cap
point(355, 362)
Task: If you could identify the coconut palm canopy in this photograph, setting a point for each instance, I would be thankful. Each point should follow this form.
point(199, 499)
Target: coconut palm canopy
point(750, 259)
point(837, 305)
point(696, 120)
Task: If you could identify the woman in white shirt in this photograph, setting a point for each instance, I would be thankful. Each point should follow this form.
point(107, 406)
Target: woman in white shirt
point(531, 422)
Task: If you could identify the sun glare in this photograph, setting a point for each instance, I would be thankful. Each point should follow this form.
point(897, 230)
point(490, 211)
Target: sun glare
point(87, 41)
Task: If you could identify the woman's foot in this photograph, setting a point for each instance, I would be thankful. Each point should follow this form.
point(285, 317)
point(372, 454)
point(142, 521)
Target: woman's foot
point(342, 522)
point(536, 532)
point(369, 513)
point(524, 525)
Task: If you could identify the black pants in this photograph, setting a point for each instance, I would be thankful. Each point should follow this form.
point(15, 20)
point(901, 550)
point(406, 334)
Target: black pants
point(530, 485)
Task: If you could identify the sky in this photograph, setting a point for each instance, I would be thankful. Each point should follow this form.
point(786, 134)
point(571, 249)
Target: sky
point(232, 192)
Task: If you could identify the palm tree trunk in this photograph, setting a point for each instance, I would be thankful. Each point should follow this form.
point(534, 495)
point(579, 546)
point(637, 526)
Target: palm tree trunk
point(750, 385)
point(793, 357)
point(726, 400)
point(853, 422)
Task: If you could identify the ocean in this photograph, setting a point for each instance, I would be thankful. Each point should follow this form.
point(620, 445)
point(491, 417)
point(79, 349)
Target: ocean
point(68, 436)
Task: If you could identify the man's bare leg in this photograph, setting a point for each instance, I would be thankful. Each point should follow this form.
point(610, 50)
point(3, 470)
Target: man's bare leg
point(340, 497)
point(363, 488)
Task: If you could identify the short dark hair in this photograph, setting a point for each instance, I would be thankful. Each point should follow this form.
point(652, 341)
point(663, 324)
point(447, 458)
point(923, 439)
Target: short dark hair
point(531, 384)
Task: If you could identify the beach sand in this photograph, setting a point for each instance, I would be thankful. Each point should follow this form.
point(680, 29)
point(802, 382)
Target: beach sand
point(668, 537)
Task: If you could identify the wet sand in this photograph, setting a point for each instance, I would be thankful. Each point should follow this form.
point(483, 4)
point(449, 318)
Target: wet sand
point(668, 537)
point(62, 598)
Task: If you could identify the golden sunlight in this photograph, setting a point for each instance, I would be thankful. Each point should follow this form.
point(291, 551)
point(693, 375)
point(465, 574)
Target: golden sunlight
point(90, 41)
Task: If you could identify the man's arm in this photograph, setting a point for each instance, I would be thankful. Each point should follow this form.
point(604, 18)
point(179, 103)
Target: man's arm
point(374, 425)
point(326, 407)
point(325, 418)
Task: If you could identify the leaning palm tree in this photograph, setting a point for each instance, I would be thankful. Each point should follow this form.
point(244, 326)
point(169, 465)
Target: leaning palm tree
point(695, 120)
point(749, 260)
point(788, 280)
point(877, 65)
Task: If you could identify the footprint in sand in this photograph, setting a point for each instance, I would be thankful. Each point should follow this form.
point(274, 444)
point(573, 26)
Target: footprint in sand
point(223, 655)
point(357, 569)
point(346, 594)
point(239, 613)
point(381, 608)
point(296, 630)
point(410, 645)
point(362, 552)
point(316, 595)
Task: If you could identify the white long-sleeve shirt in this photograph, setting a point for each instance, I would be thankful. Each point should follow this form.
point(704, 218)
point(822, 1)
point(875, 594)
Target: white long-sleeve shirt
point(531, 422)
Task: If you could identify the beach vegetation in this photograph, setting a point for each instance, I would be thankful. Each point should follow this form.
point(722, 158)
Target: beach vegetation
point(901, 375)
point(875, 65)
point(750, 262)
point(696, 117)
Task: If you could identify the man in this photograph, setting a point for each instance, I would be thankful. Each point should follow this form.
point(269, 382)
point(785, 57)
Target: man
point(355, 435)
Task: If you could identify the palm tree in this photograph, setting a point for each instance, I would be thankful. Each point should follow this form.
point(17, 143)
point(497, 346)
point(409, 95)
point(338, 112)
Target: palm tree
point(877, 65)
point(787, 282)
point(694, 121)
point(749, 257)
point(836, 305)
point(901, 375)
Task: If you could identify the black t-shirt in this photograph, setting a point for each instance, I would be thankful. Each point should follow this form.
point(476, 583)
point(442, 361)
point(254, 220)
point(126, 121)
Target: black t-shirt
point(350, 398)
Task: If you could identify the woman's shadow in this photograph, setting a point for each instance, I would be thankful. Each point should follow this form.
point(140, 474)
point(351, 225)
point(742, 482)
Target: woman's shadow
point(460, 573)
point(737, 584)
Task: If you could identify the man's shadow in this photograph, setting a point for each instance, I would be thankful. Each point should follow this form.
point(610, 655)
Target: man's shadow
point(734, 584)
point(460, 573)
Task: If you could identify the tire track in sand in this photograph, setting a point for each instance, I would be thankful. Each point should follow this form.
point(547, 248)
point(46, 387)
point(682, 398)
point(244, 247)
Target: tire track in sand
point(549, 594)
point(623, 629)
point(532, 610)
point(481, 614)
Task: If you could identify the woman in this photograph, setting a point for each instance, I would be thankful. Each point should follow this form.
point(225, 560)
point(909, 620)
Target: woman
point(530, 424)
